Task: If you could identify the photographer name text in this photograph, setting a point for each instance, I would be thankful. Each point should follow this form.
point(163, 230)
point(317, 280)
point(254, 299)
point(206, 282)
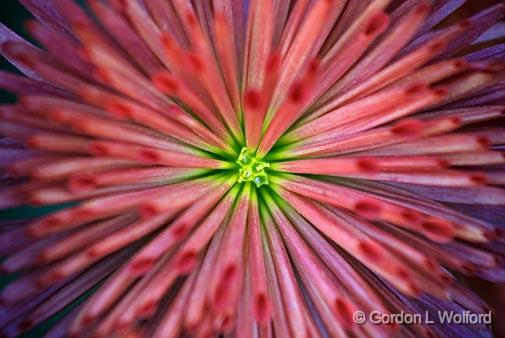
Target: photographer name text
point(439, 317)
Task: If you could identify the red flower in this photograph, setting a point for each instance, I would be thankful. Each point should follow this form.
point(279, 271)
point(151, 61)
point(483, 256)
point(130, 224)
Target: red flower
point(252, 169)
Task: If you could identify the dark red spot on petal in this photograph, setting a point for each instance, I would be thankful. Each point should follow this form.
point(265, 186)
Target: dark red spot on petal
point(167, 41)
point(422, 9)
point(191, 19)
point(443, 163)
point(102, 74)
point(438, 229)
point(367, 208)
point(465, 24)
point(51, 222)
point(448, 280)
point(148, 309)
point(407, 128)
point(262, 308)
point(25, 60)
point(370, 250)
point(81, 184)
point(498, 232)
point(119, 109)
point(252, 99)
point(415, 89)
point(468, 268)
point(49, 279)
point(403, 274)
point(148, 210)
point(229, 274)
point(478, 179)
point(273, 62)
point(83, 213)
point(33, 232)
point(149, 155)
point(367, 165)
point(141, 266)
point(98, 149)
point(32, 142)
point(484, 142)
point(416, 292)
point(224, 323)
point(314, 67)
point(411, 216)
point(297, 92)
point(31, 26)
point(196, 63)
point(440, 91)
point(344, 312)
point(461, 64)
point(437, 46)
point(87, 319)
point(493, 234)
point(430, 334)
point(377, 24)
point(180, 230)
point(429, 263)
point(166, 83)
point(93, 253)
point(187, 261)
point(222, 291)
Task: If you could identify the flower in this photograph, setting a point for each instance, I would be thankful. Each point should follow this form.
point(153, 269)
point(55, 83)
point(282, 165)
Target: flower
point(262, 168)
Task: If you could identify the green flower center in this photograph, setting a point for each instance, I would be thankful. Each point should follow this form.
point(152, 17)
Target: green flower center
point(251, 169)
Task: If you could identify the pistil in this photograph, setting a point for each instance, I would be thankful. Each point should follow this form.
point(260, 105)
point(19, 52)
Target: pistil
point(251, 169)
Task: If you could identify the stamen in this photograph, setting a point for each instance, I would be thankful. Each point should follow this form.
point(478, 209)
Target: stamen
point(251, 169)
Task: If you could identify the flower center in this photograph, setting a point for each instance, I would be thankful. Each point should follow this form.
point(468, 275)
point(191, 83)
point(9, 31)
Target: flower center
point(252, 169)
